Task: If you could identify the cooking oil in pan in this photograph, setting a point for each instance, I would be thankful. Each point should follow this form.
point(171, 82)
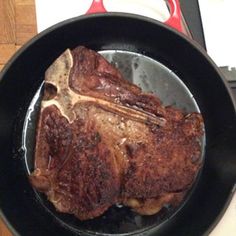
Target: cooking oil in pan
point(151, 76)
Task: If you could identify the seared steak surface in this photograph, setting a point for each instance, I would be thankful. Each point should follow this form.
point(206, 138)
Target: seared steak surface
point(101, 141)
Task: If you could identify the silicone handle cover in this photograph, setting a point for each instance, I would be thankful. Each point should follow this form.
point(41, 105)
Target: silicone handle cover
point(174, 20)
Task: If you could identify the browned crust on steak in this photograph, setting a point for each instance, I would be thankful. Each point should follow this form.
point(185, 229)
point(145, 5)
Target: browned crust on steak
point(101, 141)
point(78, 166)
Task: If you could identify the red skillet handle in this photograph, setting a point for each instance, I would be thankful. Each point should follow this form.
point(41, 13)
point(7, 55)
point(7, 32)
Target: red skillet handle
point(96, 6)
point(175, 13)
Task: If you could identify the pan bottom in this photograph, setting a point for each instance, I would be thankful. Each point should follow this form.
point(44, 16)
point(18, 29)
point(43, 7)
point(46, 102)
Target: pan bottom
point(151, 76)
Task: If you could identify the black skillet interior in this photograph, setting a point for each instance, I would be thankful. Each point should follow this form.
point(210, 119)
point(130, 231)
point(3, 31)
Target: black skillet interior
point(24, 74)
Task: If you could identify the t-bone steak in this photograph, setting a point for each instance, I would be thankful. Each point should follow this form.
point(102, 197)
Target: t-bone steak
point(102, 141)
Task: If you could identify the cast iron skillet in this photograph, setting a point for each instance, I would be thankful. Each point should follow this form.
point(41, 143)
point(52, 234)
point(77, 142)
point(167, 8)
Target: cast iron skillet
point(27, 213)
